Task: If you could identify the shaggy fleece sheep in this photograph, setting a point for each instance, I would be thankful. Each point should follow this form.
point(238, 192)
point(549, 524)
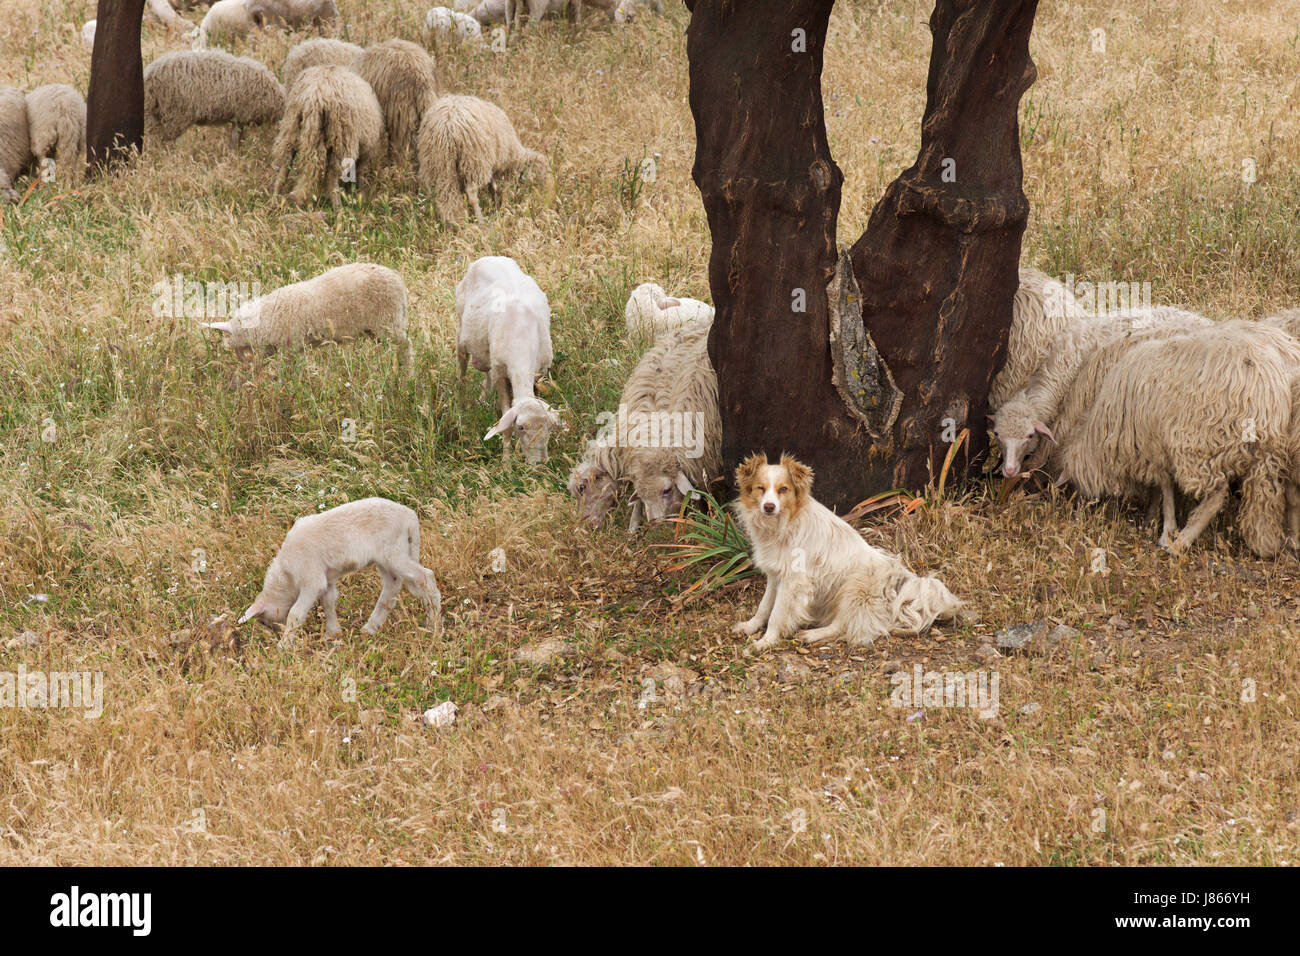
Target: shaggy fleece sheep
point(321, 51)
point(651, 312)
point(466, 144)
point(291, 14)
point(56, 125)
point(209, 88)
point(225, 20)
point(332, 127)
point(443, 24)
point(15, 143)
point(405, 81)
point(338, 305)
point(1042, 309)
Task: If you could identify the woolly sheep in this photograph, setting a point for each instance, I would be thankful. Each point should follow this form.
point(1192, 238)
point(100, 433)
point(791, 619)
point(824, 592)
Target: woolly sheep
point(163, 12)
point(56, 125)
point(225, 20)
point(594, 481)
point(291, 14)
point(322, 548)
point(444, 24)
point(485, 11)
point(15, 143)
point(650, 312)
point(332, 126)
point(504, 326)
point(1197, 411)
point(466, 144)
point(338, 305)
point(88, 34)
point(1288, 320)
point(405, 82)
point(209, 88)
point(1041, 309)
point(321, 51)
point(628, 9)
point(536, 10)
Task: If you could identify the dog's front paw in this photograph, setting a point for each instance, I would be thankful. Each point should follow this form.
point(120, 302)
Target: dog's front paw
point(762, 644)
point(747, 627)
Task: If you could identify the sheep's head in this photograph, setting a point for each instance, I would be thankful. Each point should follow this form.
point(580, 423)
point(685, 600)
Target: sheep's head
point(596, 491)
point(536, 169)
point(531, 421)
point(236, 328)
point(1018, 430)
point(661, 494)
point(272, 605)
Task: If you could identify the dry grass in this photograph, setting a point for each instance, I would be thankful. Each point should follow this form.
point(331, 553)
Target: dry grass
point(220, 748)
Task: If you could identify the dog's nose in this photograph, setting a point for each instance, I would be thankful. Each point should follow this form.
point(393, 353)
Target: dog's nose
point(768, 507)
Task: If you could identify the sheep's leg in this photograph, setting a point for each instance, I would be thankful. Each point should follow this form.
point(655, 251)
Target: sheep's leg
point(1201, 516)
point(818, 635)
point(330, 602)
point(332, 173)
point(1169, 530)
point(307, 598)
point(756, 623)
point(387, 598)
point(235, 133)
point(503, 402)
point(471, 193)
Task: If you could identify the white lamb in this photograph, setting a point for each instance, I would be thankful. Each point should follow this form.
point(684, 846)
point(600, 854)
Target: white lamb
point(338, 305)
point(225, 20)
point(629, 9)
point(292, 14)
point(485, 12)
point(444, 24)
point(56, 124)
point(650, 312)
point(321, 548)
point(504, 327)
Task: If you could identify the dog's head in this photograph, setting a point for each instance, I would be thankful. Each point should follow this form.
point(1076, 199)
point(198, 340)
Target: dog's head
point(774, 492)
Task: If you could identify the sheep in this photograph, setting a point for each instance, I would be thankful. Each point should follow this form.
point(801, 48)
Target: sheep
point(650, 311)
point(628, 9)
point(686, 452)
point(291, 14)
point(338, 305)
point(484, 11)
point(444, 24)
point(88, 34)
point(225, 20)
point(321, 51)
point(466, 144)
point(1288, 320)
point(56, 126)
point(1197, 411)
point(15, 143)
point(332, 125)
point(209, 88)
point(1041, 309)
point(163, 12)
point(503, 324)
point(595, 480)
point(405, 81)
point(321, 548)
point(536, 10)
point(1027, 415)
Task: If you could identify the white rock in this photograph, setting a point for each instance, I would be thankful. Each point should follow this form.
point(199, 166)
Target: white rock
point(444, 715)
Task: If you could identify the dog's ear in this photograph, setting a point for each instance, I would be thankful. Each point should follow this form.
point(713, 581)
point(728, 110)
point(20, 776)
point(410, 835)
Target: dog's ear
point(748, 471)
point(801, 476)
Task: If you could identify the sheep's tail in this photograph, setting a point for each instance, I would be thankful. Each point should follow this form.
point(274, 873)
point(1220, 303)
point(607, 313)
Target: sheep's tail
point(312, 159)
point(444, 176)
point(1263, 506)
point(889, 599)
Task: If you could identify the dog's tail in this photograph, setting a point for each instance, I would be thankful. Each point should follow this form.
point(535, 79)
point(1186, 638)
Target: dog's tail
point(890, 599)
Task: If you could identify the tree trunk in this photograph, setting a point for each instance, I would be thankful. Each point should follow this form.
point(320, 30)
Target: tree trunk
point(864, 366)
point(115, 100)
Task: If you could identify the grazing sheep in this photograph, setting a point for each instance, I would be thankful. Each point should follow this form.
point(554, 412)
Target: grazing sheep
point(650, 312)
point(291, 14)
point(485, 11)
point(338, 305)
point(629, 9)
point(209, 88)
point(536, 10)
point(1194, 411)
point(225, 20)
point(466, 144)
point(15, 143)
point(332, 126)
point(56, 125)
point(504, 326)
point(321, 51)
point(163, 12)
point(88, 34)
point(442, 24)
point(321, 548)
point(594, 481)
point(405, 81)
point(1042, 309)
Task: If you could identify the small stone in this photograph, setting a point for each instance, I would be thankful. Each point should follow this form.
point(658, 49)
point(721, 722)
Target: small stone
point(495, 702)
point(1167, 755)
point(1118, 622)
point(1030, 709)
point(1251, 610)
point(988, 653)
point(1063, 634)
point(674, 686)
point(664, 670)
point(1019, 636)
point(544, 652)
point(444, 715)
point(790, 670)
point(614, 655)
point(892, 666)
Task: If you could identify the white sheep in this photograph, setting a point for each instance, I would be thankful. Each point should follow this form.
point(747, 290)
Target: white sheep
point(405, 81)
point(319, 51)
point(536, 10)
point(163, 12)
point(443, 24)
point(504, 327)
point(56, 125)
point(466, 144)
point(595, 481)
point(1194, 411)
point(225, 20)
point(209, 88)
point(484, 11)
point(88, 34)
point(322, 548)
point(629, 9)
point(1041, 309)
point(15, 143)
point(650, 312)
point(332, 127)
point(338, 305)
point(291, 14)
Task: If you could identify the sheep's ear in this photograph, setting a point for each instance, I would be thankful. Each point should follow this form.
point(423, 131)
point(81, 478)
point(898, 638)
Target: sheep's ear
point(670, 303)
point(1045, 432)
point(683, 483)
point(507, 422)
point(227, 327)
point(256, 608)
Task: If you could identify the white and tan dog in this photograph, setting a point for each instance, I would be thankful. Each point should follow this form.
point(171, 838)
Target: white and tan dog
point(819, 569)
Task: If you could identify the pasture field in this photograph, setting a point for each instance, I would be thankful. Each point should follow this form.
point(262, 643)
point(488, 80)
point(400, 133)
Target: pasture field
point(146, 479)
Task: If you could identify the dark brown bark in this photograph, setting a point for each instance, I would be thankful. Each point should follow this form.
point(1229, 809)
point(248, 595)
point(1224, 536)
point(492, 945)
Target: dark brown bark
point(935, 269)
point(115, 100)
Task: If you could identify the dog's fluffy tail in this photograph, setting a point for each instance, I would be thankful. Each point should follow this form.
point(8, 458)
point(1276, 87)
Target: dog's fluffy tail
point(878, 601)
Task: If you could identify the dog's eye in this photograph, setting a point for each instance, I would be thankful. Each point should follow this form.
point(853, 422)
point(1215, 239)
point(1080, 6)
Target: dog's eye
point(759, 488)
point(783, 490)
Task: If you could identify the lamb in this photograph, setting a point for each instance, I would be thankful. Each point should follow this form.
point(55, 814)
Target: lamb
point(1041, 309)
point(405, 81)
point(1196, 411)
point(321, 548)
point(209, 88)
point(484, 11)
point(163, 12)
point(56, 126)
point(504, 326)
point(536, 10)
point(291, 14)
point(338, 305)
point(332, 125)
point(225, 20)
point(465, 144)
point(650, 312)
point(445, 24)
point(628, 9)
point(15, 143)
point(321, 51)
